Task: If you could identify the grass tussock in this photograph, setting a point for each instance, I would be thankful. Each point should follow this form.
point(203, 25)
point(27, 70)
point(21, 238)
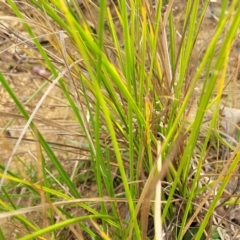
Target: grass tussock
point(136, 155)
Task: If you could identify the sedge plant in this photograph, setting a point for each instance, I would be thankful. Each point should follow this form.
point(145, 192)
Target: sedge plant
point(124, 76)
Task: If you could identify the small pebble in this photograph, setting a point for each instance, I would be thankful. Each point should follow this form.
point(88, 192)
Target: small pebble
point(41, 71)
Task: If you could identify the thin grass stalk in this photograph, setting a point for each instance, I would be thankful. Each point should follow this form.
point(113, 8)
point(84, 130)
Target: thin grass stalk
point(189, 40)
point(141, 69)
point(157, 210)
point(129, 75)
point(133, 20)
point(142, 88)
point(99, 157)
point(153, 41)
point(223, 9)
point(172, 40)
point(62, 225)
point(47, 195)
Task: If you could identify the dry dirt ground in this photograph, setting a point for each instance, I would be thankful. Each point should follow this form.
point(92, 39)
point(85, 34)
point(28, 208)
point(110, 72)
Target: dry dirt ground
point(20, 65)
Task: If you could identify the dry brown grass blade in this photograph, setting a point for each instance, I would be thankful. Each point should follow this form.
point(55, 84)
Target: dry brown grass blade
point(42, 120)
point(62, 203)
point(144, 201)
